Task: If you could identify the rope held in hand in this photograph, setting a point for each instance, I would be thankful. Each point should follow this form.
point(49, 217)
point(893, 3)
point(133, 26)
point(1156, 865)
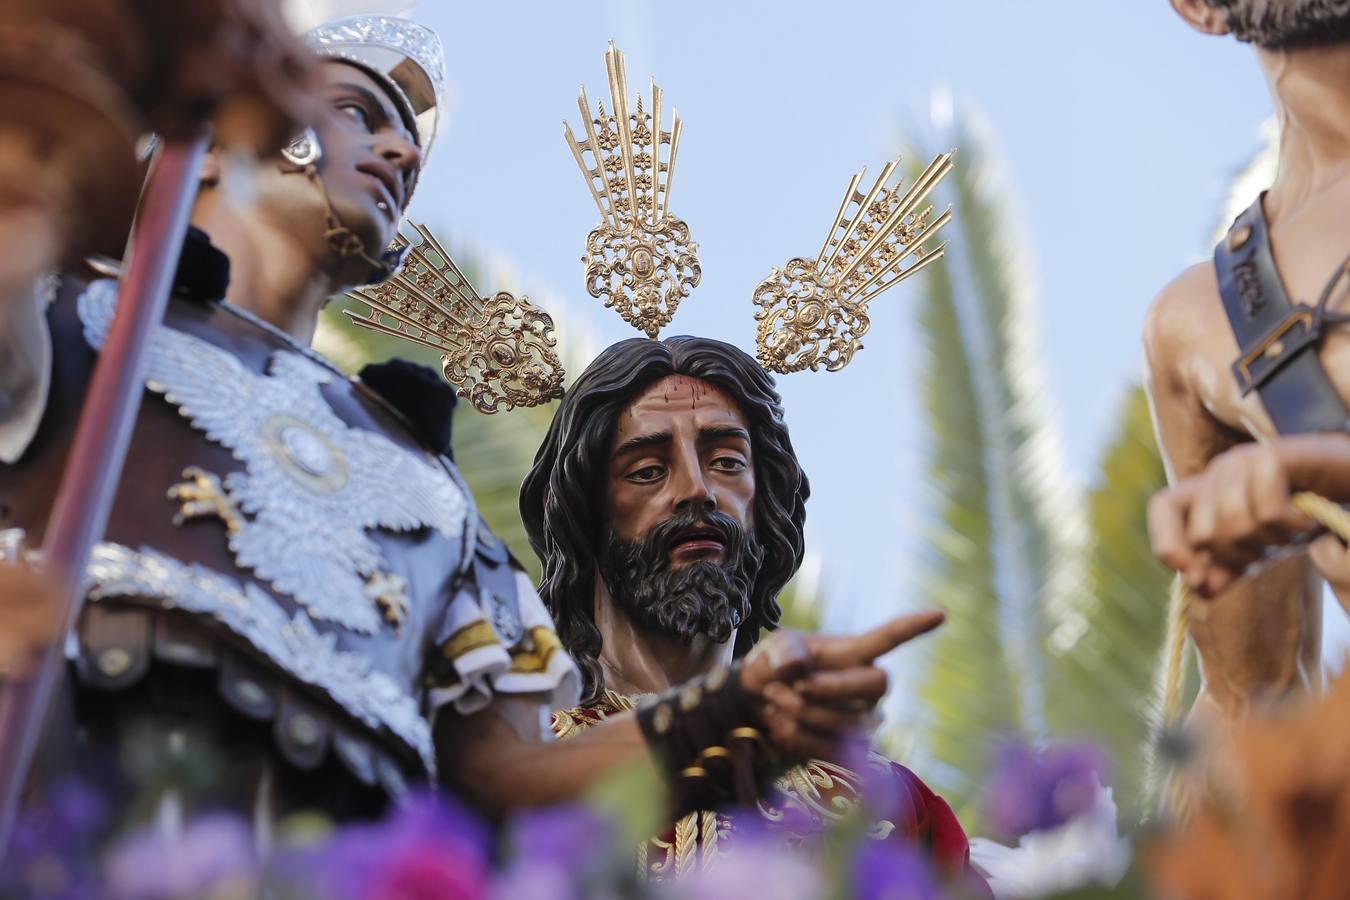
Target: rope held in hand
point(1331, 516)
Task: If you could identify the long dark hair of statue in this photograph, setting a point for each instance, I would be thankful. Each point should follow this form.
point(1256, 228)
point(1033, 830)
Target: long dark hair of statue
point(563, 497)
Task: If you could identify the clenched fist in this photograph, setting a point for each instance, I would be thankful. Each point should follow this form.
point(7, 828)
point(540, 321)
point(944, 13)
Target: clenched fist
point(1213, 526)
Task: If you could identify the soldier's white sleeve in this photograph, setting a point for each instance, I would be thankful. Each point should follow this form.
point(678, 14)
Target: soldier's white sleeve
point(491, 648)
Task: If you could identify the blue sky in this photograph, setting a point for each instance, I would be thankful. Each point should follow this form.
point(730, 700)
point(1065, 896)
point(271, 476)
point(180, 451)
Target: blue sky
point(1118, 128)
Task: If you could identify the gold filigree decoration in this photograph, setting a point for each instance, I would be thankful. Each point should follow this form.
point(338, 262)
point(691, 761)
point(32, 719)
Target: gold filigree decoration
point(201, 495)
point(639, 259)
point(497, 351)
point(813, 313)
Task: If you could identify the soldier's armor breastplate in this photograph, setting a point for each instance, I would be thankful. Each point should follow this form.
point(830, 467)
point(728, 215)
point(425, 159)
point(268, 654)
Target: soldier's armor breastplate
point(272, 502)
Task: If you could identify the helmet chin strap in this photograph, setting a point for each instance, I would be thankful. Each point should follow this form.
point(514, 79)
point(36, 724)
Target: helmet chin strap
point(303, 155)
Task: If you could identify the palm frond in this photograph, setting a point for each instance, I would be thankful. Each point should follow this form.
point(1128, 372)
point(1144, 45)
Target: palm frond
point(803, 600)
point(1006, 520)
point(1102, 685)
point(970, 689)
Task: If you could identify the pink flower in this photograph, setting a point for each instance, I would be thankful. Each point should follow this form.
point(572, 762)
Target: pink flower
point(426, 848)
point(426, 872)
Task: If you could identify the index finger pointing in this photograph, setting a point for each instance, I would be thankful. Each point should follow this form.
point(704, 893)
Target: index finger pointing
point(842, 652)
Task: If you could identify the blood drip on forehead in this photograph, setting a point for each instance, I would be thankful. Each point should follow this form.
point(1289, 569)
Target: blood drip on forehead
point(676, 388)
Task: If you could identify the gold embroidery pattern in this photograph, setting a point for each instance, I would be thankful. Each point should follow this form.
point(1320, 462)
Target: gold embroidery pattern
point(201, 495)
point(390, 594)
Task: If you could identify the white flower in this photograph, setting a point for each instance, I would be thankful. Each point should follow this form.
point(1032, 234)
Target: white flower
point(1086, 850)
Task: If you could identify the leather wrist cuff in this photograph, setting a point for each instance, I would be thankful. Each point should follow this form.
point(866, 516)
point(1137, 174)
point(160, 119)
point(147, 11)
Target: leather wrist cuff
point(704, 735)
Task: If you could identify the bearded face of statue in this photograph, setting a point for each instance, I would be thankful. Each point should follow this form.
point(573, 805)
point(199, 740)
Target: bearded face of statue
point(680, 555)
point(1287, 24)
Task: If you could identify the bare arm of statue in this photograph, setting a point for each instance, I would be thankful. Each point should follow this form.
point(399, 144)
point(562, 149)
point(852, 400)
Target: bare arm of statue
point(1259, 639)
point(809, 692)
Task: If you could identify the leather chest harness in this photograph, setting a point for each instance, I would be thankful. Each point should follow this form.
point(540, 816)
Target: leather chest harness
point(1277, 338)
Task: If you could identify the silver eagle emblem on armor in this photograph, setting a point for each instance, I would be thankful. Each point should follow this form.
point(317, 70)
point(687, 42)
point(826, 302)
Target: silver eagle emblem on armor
point(311, 484)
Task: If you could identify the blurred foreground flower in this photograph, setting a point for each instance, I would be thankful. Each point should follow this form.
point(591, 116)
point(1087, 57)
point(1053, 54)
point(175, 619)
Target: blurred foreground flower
point(426, 849)
point(1085, 850)
point(51, 851)
point(757, 865)
point(887, 871)
point(1281, 827)
point(212, 857)
point(1039, 790)
point(557, 854)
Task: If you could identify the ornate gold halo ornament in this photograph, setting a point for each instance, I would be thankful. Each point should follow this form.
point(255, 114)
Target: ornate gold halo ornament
point(639, 259)
point(813, 313)
point(810, 313)
point(497, 351)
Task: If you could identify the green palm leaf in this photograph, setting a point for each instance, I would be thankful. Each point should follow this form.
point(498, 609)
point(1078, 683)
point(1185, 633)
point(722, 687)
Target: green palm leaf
point(1102, 683)
point(1001, 554)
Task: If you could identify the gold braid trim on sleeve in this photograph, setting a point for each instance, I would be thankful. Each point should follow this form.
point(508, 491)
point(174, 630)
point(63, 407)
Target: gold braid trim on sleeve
point(544, 643)
point(476, 634)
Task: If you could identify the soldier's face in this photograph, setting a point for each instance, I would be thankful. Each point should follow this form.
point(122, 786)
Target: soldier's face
point(370, 160)
point(368, 166)
point(681, 446)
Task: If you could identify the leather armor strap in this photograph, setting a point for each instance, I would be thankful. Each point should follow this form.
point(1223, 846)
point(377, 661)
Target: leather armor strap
point(1274, 335)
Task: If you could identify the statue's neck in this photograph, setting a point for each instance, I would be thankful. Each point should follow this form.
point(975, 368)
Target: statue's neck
point(1310, 90)
point(635, 660)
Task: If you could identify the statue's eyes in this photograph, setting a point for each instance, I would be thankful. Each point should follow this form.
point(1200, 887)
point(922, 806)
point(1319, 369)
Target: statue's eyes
point(357, 113)
point(728, 464)
point(646, 474)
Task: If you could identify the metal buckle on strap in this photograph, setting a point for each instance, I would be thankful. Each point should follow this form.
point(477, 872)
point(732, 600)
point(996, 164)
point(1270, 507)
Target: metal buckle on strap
point(1276, 347)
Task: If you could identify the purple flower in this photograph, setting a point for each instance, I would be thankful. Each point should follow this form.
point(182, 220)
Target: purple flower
point(426, 847)
point(51, 846)
point(69, 813)
point(211, 854)
point(425, 872)
point(569, 837)
point(1038, 790)
point(755, 864)
point(526, 880)
point(557, 854)
point(888, 870)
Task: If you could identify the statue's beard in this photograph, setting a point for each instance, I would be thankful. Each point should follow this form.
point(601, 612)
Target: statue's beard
point(1288, 24)
point(705, 598)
